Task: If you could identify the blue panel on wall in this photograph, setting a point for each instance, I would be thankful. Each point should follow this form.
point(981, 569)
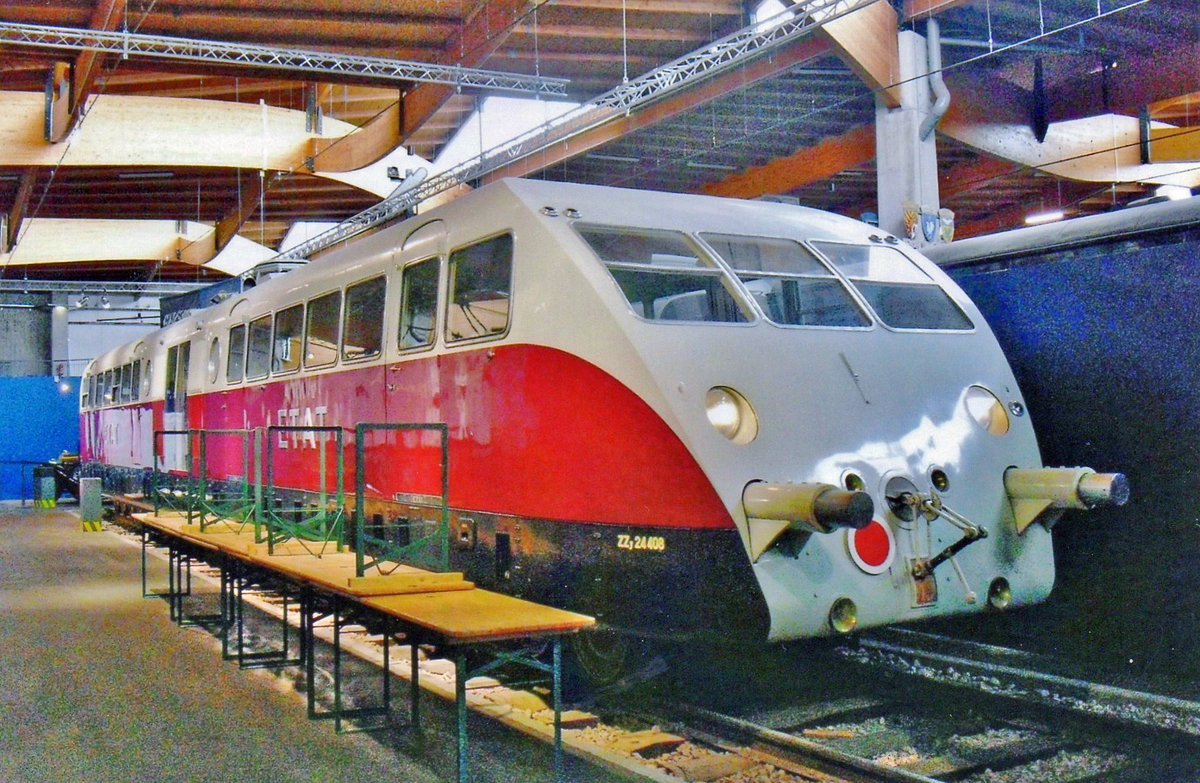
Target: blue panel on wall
point(39, 419)
point(1105, 342)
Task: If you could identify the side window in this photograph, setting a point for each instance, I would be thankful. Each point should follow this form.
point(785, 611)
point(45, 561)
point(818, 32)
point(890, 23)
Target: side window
point(362, 334)
point(126, 377)
point(214, 360)
point(86, 386)
point(136, 383)
point(146, 380)
point(235, 363)
point(258, 348)
point(418, 304)
point(108, 387)
point(178, 359)
point(289, 332)
point(480, 285)
point(662, 277)
point(321, 334)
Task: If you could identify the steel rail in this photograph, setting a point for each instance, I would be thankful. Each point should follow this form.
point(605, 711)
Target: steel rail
point(125, 43)
point(830, 761)
point(1085, 696)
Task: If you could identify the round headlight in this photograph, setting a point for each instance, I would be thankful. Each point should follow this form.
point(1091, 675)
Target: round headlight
point(731, 415)
point(987, 410)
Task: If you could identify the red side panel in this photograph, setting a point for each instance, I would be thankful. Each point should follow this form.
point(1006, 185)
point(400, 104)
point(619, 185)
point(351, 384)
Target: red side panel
point(534, 432)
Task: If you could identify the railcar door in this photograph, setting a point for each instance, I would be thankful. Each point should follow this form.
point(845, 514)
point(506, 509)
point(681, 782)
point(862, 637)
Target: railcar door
point(174, 448)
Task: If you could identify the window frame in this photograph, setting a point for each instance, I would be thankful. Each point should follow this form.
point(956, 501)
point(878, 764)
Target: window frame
point(346, 313)
point(710, 266)
point(867, 301)
point(241, 354)
point(436, 311)
point(336, 347)
point(831, 275)
point(269, 319)
point(299, 359)
point(452, 279)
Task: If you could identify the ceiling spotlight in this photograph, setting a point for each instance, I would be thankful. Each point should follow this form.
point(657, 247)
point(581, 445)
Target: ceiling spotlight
point(105, 303)
point(1044, 217)
point(81, 302)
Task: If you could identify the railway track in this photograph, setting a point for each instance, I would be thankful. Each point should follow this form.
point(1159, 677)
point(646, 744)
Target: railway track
point(889, 706)
point(918, 707)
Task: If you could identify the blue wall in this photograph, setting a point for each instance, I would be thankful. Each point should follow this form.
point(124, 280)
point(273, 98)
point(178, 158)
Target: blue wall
point(38, 421)
point(1105, 342)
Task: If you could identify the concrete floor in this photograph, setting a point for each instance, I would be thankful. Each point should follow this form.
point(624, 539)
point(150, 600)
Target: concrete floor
point(96, 684)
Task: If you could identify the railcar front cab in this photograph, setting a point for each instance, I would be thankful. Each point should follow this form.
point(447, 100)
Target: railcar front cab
point(672, 276)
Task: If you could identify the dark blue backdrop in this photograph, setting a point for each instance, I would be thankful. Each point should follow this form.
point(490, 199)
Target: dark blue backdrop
point(1105, 343)
point(38, 421)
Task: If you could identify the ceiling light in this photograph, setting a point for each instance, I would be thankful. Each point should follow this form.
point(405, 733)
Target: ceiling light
point(691, 164)
point(81, 302)
point(145, 175)
point(1173, 192)
point(105, 303)
point(613, 158)
point(1044, 217)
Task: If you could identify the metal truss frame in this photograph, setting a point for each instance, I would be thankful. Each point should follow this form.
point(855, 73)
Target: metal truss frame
point(733, 50)
point(125, 43)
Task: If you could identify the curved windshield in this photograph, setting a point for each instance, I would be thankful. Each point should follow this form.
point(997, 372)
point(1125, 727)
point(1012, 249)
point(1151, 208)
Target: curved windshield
point(788, 281)
point(662, 276)
point(902, 295)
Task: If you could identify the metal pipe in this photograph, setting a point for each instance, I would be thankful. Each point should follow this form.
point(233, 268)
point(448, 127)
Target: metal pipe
point(820, 508)
point(1041, 494)
point(941, 94)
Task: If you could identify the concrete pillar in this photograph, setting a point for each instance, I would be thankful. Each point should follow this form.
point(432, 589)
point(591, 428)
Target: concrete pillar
point(907, 166)
point(24, 335)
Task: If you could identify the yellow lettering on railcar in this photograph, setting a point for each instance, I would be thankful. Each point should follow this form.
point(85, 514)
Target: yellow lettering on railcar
point(641, 543)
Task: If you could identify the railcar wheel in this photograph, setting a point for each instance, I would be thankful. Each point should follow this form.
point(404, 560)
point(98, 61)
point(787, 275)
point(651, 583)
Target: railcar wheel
point(598, 659)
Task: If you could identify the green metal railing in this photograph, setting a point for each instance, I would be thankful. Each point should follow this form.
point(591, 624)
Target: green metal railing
point(321, 523)
point(376, 542)
point(234, 498)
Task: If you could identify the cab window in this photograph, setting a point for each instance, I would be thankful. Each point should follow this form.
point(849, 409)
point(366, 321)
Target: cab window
point(899, 292)
point(480, 287)
point(663, 277)
point(791, 285)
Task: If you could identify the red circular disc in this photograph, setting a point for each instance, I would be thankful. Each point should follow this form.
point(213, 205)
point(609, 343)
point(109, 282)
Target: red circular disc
point(872, 548)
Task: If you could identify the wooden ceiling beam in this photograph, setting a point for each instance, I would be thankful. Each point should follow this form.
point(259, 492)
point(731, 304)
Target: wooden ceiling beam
point(973, 175)
point(235, 217)
point(705, 7)
point(107, 15)
point(480, 36)
point(922, 9)
point(783, 60)
point(611, 33)
point(20, 206)
point(803, 167)
point(362, 147)
point(867, 41)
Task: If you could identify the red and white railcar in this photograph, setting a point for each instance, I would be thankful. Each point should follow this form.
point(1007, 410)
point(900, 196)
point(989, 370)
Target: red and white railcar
point(691, 416)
